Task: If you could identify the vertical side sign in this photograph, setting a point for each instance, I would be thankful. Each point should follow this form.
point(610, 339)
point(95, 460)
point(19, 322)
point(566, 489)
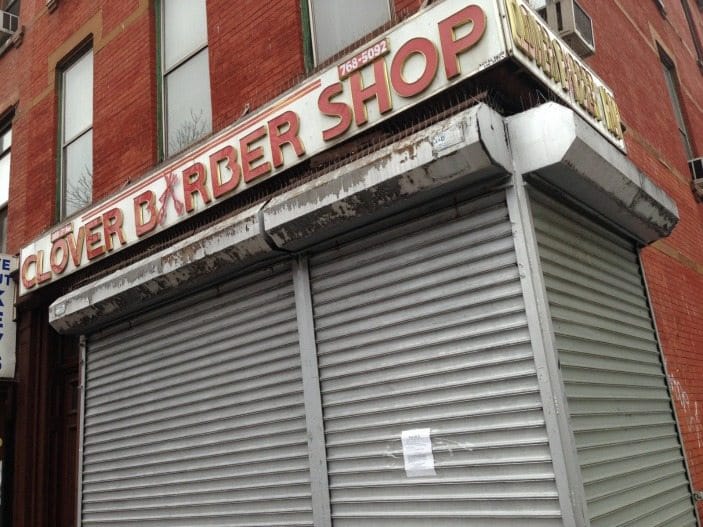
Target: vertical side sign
point(8, 329)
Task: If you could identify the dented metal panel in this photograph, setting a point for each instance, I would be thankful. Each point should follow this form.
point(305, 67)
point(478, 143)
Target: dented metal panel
point(620, 408)
point(422, 328)
point(194, 413)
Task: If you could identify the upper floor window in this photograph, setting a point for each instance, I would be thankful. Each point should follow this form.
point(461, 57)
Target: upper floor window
point(186, 73)
point(338, 23)
point(694, 32)
point(672, 86)
point(5, 144)
point(76, 184)
point(9, 18)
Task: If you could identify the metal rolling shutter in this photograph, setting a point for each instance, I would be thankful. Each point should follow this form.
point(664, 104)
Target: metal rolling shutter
point(194, 414)
point(626, 438)
point(423, 326)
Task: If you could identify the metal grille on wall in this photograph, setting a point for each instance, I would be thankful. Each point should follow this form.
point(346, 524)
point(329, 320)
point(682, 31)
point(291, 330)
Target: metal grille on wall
point(422, 328)
point(620, 409)
point(194, 413)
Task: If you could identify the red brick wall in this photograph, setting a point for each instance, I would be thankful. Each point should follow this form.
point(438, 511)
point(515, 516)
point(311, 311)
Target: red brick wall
point(254, 56)
point(124, 115)
point(124, 121)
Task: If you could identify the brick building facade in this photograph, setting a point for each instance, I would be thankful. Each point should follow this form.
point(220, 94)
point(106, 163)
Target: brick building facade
point(260, 56)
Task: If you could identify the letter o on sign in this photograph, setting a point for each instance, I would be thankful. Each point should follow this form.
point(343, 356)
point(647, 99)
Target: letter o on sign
point(414, 46)
point(59, 256)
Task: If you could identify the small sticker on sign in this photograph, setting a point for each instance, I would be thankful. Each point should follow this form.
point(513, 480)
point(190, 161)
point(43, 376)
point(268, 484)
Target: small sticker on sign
point(447, 138)
point(417, 453)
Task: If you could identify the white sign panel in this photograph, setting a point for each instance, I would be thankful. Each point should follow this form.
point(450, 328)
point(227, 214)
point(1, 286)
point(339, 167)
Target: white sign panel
point(533, 43)
point(8, 330)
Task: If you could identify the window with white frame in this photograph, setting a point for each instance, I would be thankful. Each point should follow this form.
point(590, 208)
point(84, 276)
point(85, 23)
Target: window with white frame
point(186, 73)
point(336, 24)
point(5, 144)
point(76, 186)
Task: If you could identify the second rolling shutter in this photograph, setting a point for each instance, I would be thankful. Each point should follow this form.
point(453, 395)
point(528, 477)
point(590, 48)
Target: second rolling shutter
point(423, 326)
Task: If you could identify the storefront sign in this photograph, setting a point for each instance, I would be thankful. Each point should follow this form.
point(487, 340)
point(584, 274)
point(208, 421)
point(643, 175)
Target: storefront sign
point(8, 331)
point(439, 47)
point(539, 49)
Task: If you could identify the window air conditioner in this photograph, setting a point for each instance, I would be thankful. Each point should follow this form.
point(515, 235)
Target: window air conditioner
point(696, 166)
point(572, 23)
point(8, 22)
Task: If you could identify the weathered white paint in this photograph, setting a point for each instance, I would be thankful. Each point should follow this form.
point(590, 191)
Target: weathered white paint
point(692, 409)
point(331, 203)
point(564, 150)
point(467, 148)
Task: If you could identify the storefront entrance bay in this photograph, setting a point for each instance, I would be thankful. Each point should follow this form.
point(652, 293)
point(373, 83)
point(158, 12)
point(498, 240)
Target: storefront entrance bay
point(195, 413)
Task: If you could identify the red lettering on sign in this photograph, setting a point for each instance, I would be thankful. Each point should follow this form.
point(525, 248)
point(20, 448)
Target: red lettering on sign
point(42, 276)
point(453, 47)
point(30, 261)
point(415, 46)
point(340, 110)
point(194, 178)
point(283, 130)
point(376, 90)
point(93, 239)
point(171, 181)
point(113, 220)
point(228, 155)
point(252, 155)
point(59, 249)
point(145, 216)
point(75, 246)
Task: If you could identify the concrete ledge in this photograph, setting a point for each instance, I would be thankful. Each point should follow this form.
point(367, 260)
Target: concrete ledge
point(555, 143)
point(551, 141)
point(233, 243)
point(468, 146)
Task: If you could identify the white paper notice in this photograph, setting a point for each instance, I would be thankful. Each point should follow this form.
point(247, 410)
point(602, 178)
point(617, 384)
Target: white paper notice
point(417, 453)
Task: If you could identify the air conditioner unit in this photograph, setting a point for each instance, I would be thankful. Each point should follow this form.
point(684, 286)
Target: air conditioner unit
point(696, 166)
point(8, 22)
point(572, 23)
